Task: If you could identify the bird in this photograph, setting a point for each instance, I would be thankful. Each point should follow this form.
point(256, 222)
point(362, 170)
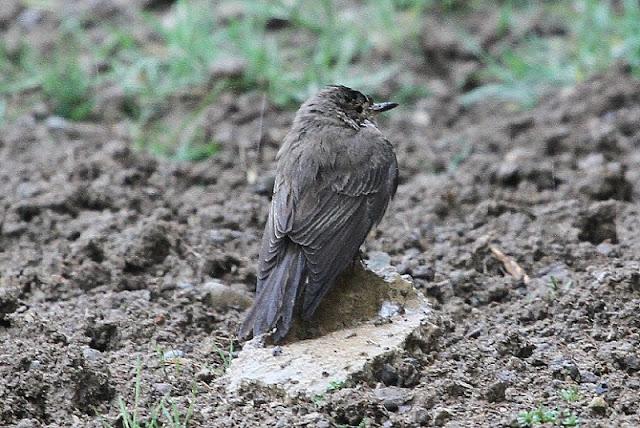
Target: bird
point(336, 174)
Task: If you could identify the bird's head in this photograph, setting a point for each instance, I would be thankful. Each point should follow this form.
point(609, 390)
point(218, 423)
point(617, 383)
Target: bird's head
point(349, 106)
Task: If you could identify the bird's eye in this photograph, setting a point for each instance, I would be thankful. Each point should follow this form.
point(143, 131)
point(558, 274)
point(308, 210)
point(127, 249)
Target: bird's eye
point(359, 108)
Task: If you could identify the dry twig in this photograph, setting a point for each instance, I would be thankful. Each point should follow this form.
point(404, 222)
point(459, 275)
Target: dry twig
point(510, 265)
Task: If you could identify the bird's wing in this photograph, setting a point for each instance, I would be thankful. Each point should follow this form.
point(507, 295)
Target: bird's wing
point(333, 216)
point(278, 225)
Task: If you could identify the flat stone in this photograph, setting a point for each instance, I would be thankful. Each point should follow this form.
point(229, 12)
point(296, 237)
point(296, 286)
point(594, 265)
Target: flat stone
point(393, 397)
point(162, 388)
point(345, 339)
point(91, 354)
point(222, 296)
point(172, 354)
point(606, 249)
point(441, 415)
point(598, 405)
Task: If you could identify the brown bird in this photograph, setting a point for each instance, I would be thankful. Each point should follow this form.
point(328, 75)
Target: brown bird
point(335, 176)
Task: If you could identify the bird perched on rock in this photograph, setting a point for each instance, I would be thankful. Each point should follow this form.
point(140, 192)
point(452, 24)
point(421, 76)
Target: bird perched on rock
point(336, 174)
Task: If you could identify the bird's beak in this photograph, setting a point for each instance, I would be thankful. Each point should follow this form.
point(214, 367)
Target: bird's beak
point(380, 107)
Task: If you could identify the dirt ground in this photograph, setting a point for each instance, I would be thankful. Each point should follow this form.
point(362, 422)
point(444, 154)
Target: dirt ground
point(115, 265)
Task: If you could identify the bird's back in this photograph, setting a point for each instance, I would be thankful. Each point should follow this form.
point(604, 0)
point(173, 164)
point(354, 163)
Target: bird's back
point(333, 184)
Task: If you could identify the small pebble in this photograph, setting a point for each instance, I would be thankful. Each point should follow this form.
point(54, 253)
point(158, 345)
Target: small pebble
point(420, 415)
point(91, 354)
point(441, 415)
point(162, 388)
point(389, 309)
point(56, 123)
point(184, 285)
point(606, 249)
point(378, 260)
point(205, 375)
point(393, 397)
point(174, 353)
point(598, 405)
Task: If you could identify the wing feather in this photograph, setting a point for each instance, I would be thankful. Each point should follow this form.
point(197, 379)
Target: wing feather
point(330, 213)
point(332, 220)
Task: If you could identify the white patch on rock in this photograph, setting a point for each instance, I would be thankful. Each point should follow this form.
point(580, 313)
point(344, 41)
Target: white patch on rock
point(314, 366)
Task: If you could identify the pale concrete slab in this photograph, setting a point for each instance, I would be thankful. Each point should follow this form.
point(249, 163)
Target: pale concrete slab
point(368, 316)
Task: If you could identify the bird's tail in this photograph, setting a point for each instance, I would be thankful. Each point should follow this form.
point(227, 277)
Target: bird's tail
point(277, 296)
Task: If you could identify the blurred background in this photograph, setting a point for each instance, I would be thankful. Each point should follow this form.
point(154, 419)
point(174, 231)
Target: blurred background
point(157, 65)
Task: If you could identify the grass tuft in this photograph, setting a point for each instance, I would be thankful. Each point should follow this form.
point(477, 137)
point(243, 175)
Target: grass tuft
point(599, 36)
point(543, 415)
point(286, 49)
point(164, 414)
point(226, 356)
point(68, 87)
point(336, 385)
point(571, 395)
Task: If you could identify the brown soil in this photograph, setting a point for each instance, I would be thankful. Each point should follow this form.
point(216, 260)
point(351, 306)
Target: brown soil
point(109, 257)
